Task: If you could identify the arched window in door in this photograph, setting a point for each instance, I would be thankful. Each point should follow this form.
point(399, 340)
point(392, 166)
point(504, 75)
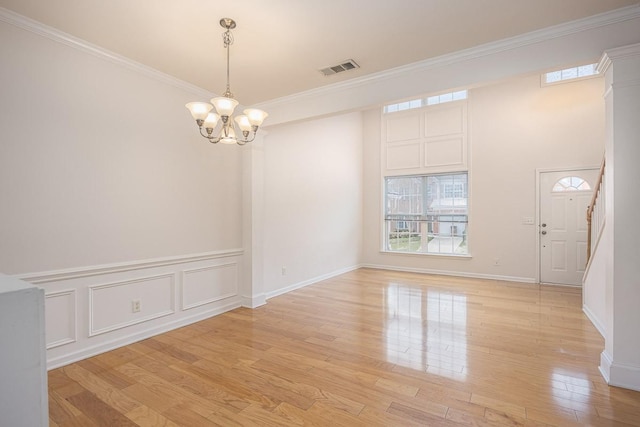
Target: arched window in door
point(571, 183)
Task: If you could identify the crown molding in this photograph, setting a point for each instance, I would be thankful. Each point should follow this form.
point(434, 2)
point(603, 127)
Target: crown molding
point(623, 51)
point(617, 53)
point(66, 39)
point(533, 37)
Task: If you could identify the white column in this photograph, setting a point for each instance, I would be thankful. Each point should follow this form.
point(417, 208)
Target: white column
point(252, 223)
point(620, 361)
point(23, 375)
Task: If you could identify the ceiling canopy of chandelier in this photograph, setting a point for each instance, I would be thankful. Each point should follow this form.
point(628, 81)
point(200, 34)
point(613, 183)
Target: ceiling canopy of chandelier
point(224, 105)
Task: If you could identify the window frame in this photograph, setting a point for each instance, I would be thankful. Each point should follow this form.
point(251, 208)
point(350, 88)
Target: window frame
point(544, 82)
point(426, 101)
point(384, 226)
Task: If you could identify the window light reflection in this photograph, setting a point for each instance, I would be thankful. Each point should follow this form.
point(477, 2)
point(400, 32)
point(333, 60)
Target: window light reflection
point(427, 330)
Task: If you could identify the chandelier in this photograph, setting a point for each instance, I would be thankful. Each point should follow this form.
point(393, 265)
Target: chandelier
point(224, 105)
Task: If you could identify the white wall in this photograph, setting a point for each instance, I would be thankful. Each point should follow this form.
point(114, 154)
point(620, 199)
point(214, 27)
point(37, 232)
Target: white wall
point(313, 201)
point(102, 164)
point(516, 127)
point(109, 195)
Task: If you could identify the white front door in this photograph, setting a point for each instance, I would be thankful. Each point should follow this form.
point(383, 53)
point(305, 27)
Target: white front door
point(564, 197)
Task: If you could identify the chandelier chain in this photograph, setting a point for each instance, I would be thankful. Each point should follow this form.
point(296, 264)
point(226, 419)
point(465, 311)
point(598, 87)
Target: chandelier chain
point(227, 38)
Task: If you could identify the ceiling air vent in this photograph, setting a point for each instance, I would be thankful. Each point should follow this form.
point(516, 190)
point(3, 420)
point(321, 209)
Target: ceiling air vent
point(349, 64)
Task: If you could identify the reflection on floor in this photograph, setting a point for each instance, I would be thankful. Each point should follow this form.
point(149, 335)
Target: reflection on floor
point(369, 347)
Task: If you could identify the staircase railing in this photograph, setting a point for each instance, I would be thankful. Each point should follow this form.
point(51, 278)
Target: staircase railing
point(596, 214)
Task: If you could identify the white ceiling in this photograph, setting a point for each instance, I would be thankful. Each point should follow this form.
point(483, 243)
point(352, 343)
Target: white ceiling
point(281, 44)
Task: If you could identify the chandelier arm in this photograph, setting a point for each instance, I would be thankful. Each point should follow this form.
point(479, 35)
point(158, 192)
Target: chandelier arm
point(211, 139)
point(253, 136)
point(202, 133)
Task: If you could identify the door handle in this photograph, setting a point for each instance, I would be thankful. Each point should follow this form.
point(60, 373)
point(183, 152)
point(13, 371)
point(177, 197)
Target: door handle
point(543, 232)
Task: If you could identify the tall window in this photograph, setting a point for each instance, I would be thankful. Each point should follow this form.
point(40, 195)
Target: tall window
point(426, 214)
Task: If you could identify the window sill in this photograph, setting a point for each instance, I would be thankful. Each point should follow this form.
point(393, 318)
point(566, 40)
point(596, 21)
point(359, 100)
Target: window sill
point(422, 254)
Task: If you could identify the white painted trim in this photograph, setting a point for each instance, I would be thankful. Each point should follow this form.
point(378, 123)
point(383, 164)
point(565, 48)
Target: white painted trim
point(129, 339)
point(58, 36)
point(210, 300)
point(75, 316)
point(254, 302)
point(81, 272)
point(540, 171)
point(625, 376)
point(603, 65)
point(557, 31)
point(91, 289)
point(626, 84)
point(623, 51)
point(311, 281)
point(605, 365)
point(594, 320)
point(451, 273)
point(427, 254)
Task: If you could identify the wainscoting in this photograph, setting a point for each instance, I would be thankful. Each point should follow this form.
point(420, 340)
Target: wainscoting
point(91, 310)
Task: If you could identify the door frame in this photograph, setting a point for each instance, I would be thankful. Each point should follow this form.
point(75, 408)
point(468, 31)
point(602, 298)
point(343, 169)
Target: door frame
point(540, 171)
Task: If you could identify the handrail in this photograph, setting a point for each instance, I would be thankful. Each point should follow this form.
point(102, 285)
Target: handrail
point(592, 206)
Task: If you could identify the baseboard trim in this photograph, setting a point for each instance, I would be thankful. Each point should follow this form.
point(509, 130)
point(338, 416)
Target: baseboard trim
point(308, 282)
point(594, 320)
point(451, 273)
point(618, 375)
point(605, 366)
point(84, 353)
point(255, 301)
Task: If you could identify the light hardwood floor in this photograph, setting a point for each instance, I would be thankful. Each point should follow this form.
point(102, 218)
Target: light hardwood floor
point(369, 347)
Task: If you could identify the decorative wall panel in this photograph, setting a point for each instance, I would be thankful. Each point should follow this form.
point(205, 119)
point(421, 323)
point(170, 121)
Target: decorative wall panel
point(444, 152)
point(444, 121)
point(431, 139)
point(403, 127)
point(60, 317)
point(111, 305)
point(208, 284)
point(403, 156)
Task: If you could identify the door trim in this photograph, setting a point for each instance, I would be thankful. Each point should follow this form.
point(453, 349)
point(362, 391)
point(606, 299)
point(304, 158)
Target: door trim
point(537, 224)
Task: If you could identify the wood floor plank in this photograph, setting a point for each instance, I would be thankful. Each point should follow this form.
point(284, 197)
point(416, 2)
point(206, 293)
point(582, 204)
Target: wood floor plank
point(369, 347)
point(98, 411)
point(105, 391)
point(147, 417)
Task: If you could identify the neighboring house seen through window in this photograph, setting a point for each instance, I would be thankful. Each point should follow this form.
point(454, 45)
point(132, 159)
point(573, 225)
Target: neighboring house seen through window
point(426, 214)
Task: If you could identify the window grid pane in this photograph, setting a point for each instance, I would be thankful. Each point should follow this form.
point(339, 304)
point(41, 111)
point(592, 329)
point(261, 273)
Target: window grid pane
point(571, 73)
point(431, 100)
point(426, 214)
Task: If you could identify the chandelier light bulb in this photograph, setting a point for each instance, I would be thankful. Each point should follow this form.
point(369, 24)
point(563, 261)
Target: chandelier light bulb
point(199, 110)
point(211, 121)
point(224, 106)
point(256, 117)
point(243, 123)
